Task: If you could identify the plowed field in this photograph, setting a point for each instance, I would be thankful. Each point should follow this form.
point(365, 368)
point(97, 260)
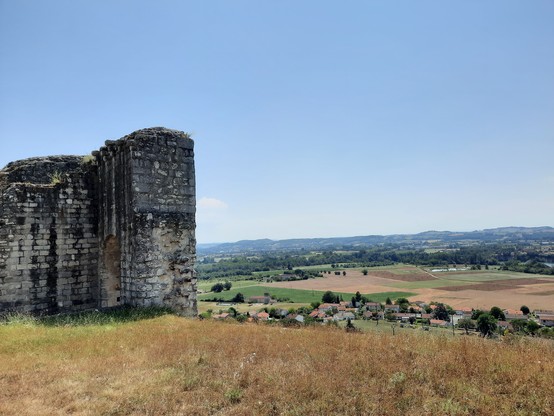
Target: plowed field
point(503, 289)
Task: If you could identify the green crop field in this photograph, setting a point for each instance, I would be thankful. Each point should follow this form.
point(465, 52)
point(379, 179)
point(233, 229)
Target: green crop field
point(206, 285)
point(295, 295)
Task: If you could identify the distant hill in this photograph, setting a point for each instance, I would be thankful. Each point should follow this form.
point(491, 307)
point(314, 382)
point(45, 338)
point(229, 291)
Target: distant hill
point(427, 238)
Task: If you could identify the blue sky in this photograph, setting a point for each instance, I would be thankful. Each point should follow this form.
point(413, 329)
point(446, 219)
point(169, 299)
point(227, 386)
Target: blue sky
point(311, 118)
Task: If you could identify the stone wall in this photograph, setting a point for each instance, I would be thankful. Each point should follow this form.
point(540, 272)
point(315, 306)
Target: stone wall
point(150, 212)
point(115, 229)
point(48, 244)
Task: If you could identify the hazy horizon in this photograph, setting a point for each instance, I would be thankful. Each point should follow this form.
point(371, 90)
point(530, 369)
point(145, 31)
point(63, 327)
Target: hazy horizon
point(364, 235)
point(313, 119)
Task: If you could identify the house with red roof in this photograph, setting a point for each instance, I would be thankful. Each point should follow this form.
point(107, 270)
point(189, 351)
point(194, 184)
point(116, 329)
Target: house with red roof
point(512, 314)
point(262, 316)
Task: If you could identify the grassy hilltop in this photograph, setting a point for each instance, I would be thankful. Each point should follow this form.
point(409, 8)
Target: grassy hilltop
point(170, 365)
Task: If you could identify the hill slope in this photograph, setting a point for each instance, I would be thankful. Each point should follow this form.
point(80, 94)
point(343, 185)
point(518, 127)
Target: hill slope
point(173, 366)
point(504, 234)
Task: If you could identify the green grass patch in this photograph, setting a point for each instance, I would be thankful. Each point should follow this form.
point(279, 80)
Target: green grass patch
point(295, 295)
point(400, 268)
point(206, 285)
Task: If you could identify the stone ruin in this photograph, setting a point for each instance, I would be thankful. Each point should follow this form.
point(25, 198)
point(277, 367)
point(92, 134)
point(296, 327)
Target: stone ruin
point(115, 228)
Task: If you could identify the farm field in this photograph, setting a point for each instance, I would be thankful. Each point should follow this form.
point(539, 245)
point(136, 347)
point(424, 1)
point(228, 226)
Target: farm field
point(479, 289)
point(206, 285)
point(295, 295)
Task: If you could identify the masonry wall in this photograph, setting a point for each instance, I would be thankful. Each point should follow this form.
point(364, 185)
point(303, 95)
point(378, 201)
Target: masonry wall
point(48, 244)
point(116, 229)
point(147, 207)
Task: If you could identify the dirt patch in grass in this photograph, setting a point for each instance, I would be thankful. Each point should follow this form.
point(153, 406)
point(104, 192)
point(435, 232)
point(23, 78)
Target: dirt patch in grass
point(408, 277)
point(544, 293)
point(351, 283)
point(523, 282)
point(496, 285)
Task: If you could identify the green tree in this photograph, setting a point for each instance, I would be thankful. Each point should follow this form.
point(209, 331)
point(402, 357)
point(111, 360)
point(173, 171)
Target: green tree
point(519, 325)
point(239, 298)
point(525, 310)
point(329, 297)
point(365, 272)
point(476, 313)
point(486, 324)
point(388, 301)
point(218, 287)
point(497, 313)
point(303, 310)
point(404, 307)
point(532, 327)
point(467, 324)
point(365, 299)
point(441, 312)
point(227, 285)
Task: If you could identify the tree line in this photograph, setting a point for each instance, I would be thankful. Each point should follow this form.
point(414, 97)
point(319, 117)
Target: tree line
point(515, 257)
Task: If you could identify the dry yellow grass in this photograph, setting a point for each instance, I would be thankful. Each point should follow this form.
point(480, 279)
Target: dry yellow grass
point(177, 366)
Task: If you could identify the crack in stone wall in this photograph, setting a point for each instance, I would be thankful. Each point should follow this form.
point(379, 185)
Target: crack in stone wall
point(79, 233)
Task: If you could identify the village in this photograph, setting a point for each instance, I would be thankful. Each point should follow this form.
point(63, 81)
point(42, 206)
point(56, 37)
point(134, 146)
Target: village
point(400, 312)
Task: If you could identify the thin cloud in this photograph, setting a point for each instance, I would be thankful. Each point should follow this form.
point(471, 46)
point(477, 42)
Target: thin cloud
point(211, 203)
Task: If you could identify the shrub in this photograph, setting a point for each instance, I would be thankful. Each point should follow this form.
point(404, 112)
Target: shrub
point(234, 395)
point(218, 287)
point(238, 298)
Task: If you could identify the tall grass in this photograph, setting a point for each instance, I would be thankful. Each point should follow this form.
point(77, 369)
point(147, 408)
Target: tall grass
point(105, 317)
point(174, 366)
